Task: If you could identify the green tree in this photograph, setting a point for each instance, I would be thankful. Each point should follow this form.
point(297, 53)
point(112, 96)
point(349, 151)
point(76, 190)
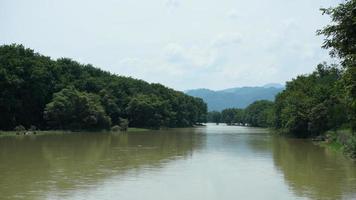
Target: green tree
point(310, 104)
point(214, 117)
point(232, 115)
point(124, 124)
point(28, 82)
point(260, 113)
point(340, 38)
point(109, 103)
point(147, 111)
point(228, 116)
point(239, 116)
point(74, 110)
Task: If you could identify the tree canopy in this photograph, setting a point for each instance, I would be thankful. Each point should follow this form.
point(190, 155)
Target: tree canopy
point(340, 38)
point(64, 94)
point(311, 104)
point(258, 114)
point(74, 110)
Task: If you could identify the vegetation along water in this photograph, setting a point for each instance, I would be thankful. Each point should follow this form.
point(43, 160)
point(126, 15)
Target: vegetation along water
point(108, 136)
point(321, 104)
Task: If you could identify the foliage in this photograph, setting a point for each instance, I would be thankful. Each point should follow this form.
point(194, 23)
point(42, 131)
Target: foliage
point(32, 128)
point(74, 110)
point(28, 82)
point(232, 116)
point(343, 138)
point(148, 111)
point(124, 124)
point(340, 38)
point(310, 104)
point(214, 116)
point(19, 128)
point(228, 116)
point(259, 114)
point(340, 34)
point(115, 128)
point(324, 100)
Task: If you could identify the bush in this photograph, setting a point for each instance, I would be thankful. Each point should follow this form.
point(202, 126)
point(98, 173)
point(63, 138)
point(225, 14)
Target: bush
point(32, 128)
point(115, 128)
point(350, 147)
point(71, 109)
point(19, 128)
point(124, 124)
point(346, 139)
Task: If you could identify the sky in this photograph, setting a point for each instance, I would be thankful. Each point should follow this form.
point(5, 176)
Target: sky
point(183, 44)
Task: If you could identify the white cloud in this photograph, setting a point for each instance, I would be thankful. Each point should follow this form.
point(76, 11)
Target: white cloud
point(205, 43)
point(194, 56)
point(233, 14)
point(201, 55)
point(226, 39)
point(173, 3)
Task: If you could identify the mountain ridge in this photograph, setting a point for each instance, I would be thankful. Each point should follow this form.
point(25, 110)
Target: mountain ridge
point(238, 97)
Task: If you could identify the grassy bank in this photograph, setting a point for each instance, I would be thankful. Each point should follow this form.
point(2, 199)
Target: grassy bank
point(341, 140)
point(56, 132)
point(138, 129)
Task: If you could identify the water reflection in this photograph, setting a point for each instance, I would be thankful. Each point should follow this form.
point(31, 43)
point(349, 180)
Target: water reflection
point(314, 172)
point(213, 162)
point(32, 167)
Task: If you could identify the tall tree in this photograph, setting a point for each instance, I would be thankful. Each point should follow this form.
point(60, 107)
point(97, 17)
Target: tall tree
point(74, 110)
point(259, 113)
point(310, 104)
point(340, 38)
point(28, 82)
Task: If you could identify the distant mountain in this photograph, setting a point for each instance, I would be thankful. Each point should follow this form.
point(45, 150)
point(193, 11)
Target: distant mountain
point(239, 97)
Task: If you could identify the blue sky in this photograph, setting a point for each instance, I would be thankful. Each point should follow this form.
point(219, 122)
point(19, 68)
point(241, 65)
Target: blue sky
point(184, 44)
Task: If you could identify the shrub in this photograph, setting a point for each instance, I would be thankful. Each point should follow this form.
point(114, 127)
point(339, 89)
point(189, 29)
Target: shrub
point(115, 128)
point(32, 128)
point(20, 128)
point(71, 109)
point(124, 124)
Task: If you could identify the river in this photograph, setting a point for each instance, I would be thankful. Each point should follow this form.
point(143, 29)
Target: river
point(207, 163)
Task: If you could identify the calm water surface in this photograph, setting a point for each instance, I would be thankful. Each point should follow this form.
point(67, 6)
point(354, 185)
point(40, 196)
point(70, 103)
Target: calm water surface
point(213, 162)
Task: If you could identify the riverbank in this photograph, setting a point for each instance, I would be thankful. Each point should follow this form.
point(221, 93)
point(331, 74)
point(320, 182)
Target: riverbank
point(342, 140)
point(56, 132)
point(121, 164)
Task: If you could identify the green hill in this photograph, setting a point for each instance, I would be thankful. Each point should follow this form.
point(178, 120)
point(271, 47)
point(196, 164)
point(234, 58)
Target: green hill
point(235, 97)
point(64, 94)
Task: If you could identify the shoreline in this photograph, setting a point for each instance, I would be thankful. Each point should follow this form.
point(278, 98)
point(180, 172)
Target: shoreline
point(57, 132)
point(341, 140)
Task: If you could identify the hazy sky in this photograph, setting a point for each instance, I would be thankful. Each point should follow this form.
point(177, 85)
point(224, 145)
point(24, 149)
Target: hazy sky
point(183, 44)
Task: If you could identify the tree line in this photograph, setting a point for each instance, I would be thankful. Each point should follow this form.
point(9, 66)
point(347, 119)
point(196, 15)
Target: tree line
point(315, 103)
point(326, 99)
point(258, 114)
point(309, 106)
point(64, 94)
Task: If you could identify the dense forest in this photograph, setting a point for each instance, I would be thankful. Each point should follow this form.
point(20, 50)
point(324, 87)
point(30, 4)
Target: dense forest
point(317, 103)
point(37, 91)
point(326, 99)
